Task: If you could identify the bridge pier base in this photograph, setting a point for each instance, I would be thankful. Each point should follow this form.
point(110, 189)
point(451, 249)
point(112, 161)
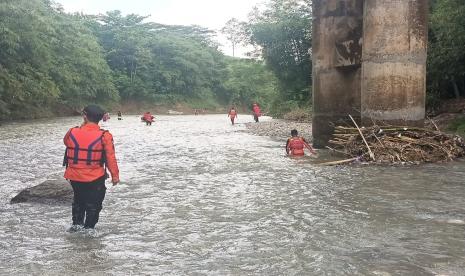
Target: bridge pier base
point(369, 60)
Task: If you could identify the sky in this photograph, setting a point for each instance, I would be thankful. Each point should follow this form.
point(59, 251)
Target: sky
point(212, 14)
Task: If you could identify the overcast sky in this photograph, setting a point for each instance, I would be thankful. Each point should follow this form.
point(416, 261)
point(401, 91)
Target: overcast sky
point(212, 14)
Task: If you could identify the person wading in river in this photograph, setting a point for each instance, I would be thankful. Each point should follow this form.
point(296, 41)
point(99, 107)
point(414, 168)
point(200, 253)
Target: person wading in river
point(295, 145)
point(89, 152)
point(232, 115)
point(256, 112)
point(148, 118)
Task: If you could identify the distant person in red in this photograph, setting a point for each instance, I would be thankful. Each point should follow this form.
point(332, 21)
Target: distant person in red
point(256, 112)
point(148, 118)
point(295, 145)
point(232, 114)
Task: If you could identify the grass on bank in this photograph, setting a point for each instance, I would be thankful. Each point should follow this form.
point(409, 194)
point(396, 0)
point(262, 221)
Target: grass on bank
point(457, 126)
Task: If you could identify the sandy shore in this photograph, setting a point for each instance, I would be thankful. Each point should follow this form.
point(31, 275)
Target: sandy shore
point(280, 129)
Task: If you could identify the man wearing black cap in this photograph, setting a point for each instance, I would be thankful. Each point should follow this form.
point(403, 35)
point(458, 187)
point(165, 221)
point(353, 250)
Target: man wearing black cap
point(89, 153)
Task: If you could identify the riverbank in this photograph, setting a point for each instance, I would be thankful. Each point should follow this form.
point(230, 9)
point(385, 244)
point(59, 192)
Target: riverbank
point(133, 107)
point(280, 128)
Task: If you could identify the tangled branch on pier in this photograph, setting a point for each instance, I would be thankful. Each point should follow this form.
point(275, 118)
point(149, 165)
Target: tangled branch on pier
point(396, 145)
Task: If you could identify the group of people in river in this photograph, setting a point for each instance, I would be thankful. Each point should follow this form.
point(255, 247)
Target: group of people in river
point(295, 145)
point(256, 113)
point(90, 155)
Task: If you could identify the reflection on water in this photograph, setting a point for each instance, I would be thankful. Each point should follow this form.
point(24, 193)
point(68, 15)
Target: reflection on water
point(199, 196)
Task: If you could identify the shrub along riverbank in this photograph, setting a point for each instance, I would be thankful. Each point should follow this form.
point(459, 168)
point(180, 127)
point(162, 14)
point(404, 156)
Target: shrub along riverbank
point(54, 63)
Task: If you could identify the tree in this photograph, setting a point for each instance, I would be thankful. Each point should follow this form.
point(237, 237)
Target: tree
point(47, 58)
point(446, 58)
point(234, 32)
point(51, 59)
point(283, 32)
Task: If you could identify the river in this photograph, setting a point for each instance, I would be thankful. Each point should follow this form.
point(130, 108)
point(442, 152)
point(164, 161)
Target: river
point(201, 197)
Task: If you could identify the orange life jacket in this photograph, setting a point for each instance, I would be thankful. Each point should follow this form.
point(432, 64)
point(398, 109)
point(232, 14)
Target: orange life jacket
point(297, 145)
point(147, 117)
point(232, 113)
point(256, 110)
point(84, 149)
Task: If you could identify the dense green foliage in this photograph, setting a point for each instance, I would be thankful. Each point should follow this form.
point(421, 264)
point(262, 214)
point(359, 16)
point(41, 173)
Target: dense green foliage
point(446, 60)
point(54, 61)
point(249, 82)
point(283, 31)
point(159, 63)
point(47, 58)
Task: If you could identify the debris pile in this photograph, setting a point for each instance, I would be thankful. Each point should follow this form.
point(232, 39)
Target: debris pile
point(396, 145)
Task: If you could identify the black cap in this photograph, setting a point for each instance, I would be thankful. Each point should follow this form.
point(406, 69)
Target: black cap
point(94, 113)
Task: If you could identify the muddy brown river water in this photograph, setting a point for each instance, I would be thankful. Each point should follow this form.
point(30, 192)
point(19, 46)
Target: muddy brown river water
point(201, 197)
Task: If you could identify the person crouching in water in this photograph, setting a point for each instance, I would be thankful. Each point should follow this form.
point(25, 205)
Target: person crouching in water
point(148, 118)
point(295, 145)
point(232, 115)
point(89, 152)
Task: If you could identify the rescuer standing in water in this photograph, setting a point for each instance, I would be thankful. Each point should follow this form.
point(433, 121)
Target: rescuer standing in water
point(232, 115)
point(89, 152)
point(295, 145)
point(256, 112)
point(148, 118)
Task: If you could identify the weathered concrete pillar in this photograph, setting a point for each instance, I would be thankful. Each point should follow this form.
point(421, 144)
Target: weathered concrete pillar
point(394, 61)
point(336, 53)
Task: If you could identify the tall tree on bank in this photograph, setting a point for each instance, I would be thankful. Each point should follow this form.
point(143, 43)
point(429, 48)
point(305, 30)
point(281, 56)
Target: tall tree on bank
point(446, 55)
point(283, 31)
point(233, 30)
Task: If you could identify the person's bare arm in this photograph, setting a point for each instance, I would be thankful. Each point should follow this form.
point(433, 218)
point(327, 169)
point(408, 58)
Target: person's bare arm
point(310, 148)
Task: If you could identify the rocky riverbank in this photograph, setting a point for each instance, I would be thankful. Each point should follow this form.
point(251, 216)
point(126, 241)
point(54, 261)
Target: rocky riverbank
point(280, 129)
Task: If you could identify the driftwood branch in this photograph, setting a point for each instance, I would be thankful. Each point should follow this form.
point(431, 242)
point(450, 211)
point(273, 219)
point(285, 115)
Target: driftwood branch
point(339, 162)
point(372, 156)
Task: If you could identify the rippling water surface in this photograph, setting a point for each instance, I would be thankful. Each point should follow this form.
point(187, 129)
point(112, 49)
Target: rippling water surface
point(201, 197)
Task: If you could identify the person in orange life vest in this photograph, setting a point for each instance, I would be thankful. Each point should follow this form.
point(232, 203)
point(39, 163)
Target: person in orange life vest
point(295, 145)
point(89, 153)
point(148, 118)
point(256, 112)
point(232, 114)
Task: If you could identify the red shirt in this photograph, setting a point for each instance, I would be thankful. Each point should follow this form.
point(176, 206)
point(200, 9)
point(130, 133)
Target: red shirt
point(91, 174)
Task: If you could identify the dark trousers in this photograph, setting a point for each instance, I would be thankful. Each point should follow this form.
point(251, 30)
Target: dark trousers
point(87, 203)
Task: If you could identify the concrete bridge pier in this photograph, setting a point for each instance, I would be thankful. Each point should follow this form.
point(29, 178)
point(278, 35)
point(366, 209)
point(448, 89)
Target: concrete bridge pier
point(394, 61)
point(336, 52)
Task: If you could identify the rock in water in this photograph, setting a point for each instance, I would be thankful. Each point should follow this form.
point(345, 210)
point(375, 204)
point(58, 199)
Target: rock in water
point(50, 191)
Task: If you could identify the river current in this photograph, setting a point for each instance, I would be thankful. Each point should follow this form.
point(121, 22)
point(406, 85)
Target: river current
point(201, 197)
